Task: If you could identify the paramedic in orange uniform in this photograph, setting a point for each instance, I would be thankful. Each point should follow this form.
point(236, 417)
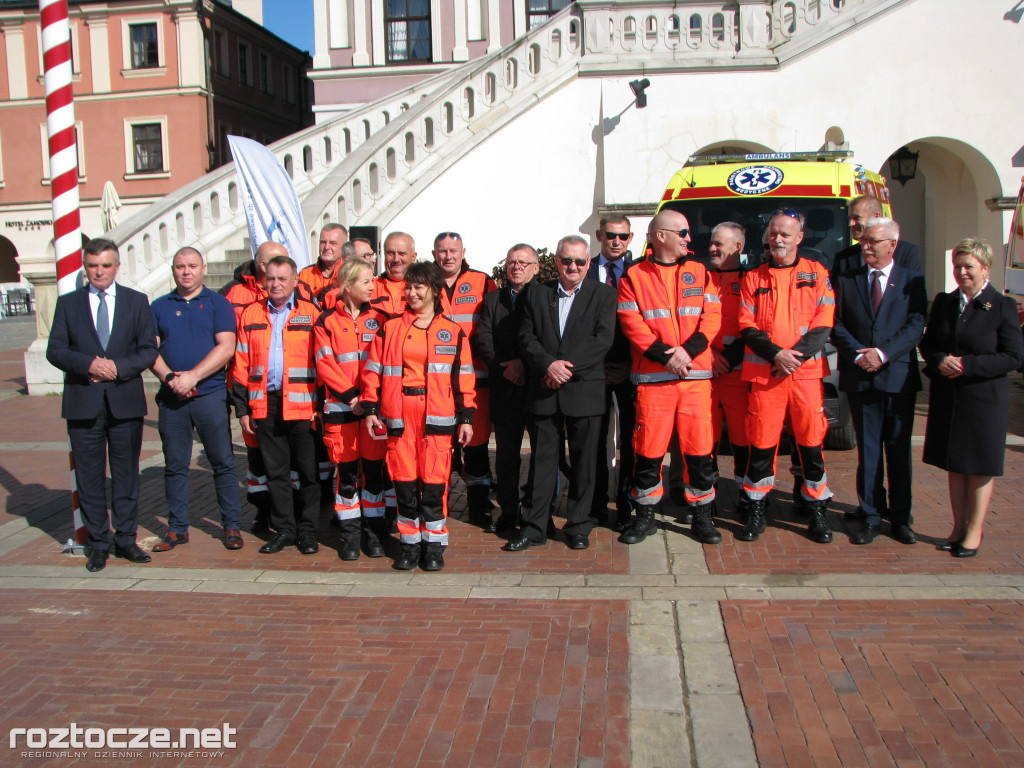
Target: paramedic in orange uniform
point(418, 384)
point(320, 276)
point(389, 288)
point(462, 301)
point(669, 310)
point(728, 389)
point(786, 315)
point(342, 337)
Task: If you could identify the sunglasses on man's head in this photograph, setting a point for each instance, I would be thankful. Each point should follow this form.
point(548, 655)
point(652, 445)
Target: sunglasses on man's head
point(566, 261)
point(442, 235)
point(786, 212)
point(623, 236)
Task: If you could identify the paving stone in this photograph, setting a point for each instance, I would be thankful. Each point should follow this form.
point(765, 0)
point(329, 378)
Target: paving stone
point(654, 683)
point(721, 732)
point(658, 612)
point(700, 622)
point(708, 669)
point(660, 740)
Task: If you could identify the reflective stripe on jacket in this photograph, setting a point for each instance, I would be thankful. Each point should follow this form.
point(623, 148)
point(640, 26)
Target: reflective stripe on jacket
point(252, 354)
point(451, 385)
point(668, 305)
point(342, 345)
point(785, 303)
point(465, 305)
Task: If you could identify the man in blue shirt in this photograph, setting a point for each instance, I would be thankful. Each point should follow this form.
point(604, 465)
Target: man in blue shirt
point(196, 331)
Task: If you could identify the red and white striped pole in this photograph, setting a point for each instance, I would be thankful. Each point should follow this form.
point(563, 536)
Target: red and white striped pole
point(60, 129)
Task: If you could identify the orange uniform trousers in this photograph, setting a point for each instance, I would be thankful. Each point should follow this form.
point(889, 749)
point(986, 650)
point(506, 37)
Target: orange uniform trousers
point(766, 414)
point(349, 446)
point(729, 395)
point(664, 408)
point(420, 466)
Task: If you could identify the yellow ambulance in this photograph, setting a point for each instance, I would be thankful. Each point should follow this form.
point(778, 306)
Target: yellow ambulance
point(746, 189)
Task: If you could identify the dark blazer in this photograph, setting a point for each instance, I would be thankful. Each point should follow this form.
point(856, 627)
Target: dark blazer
point(619, 352)
point(896, 330)
point(588, 336)
point(968, 415)
point(906, 255)
point(74, 344)
point(496, 341)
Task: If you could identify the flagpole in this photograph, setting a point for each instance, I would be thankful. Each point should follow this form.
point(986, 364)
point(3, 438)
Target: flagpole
point(60, 130)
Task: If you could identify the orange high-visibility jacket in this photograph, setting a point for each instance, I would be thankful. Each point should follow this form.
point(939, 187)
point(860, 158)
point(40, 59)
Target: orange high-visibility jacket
point(317, 283)
point(786, 308)
point(252, 353)
point(451, 390)
point(388, 295)
point(727, 341)
point(342, 346)
point(668, 305)
point(465, 305)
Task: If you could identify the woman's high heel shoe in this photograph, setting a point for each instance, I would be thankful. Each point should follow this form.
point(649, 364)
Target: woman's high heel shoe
point(948, 546)
point(959, 550)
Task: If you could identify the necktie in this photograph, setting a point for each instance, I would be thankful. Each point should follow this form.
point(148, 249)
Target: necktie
point(103, 321)
point(609, 270)
point(876, 290)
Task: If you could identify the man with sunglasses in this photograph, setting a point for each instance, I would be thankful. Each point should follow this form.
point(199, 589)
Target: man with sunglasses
point(496, 342)
point(567, 329)
point(669, 309)
point(614, 235)
point(787, 311)
point(462, 301)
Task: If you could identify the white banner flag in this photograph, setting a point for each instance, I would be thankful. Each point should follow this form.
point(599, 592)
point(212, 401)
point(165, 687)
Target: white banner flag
point(268, 198)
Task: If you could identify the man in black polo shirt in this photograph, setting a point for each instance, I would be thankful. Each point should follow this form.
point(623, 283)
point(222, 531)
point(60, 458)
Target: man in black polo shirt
point(196, 331)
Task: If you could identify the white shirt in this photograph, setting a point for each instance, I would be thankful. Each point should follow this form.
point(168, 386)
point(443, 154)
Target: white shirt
point(602, 268)
point(883, 281)
point(964, 301)
point(565, 301)
point(110, 299)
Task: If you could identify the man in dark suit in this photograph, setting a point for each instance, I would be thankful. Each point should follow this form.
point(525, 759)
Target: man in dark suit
point(862, 209)
point(496, 342)
point(567, 329)
point(614, 235)
point(880, 310)
point(102, 338)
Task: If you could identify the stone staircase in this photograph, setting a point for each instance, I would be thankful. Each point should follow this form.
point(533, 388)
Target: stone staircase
point(365, 166)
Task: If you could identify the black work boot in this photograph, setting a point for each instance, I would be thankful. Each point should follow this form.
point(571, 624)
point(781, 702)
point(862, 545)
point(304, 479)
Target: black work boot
point(818, 527)
point(703, 524)
point(408, 558)
point(433, 557)
point(348, 547)
point(643, 525)
point(755, 521)
point(372, 536)
point(480, 507)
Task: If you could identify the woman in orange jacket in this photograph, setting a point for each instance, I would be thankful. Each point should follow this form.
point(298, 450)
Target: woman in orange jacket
point(342, 338)
point(418, 387)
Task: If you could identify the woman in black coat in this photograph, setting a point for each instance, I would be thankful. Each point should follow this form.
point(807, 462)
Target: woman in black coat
point(971, 343)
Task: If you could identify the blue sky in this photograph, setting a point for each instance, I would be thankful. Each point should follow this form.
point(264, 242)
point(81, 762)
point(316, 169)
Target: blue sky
point(292, 20)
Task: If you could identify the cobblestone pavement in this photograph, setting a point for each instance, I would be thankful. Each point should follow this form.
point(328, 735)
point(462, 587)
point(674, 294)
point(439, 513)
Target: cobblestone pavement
point(668, 653)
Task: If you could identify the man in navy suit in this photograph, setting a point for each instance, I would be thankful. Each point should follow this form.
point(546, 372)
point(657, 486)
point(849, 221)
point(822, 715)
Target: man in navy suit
point(862, 209)
point(880, 311)
point(567, 328)
point(102, 338)
point(614, 235)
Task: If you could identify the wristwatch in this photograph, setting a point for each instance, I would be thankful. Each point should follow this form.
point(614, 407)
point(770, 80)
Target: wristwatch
point(169, 377)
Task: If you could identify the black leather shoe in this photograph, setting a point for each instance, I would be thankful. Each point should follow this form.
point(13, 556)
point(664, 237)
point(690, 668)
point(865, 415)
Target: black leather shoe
point(97, 560)
point(904, 534)
point(132, 553)
point(959, 550)
point(408, 559)
point(857, 514)
point(866, 534)
point(349, 548)
point(576, 541)
point(432, 561)
point(519, 544)
point(276, 544)
point(307, 545)
point(948, 546)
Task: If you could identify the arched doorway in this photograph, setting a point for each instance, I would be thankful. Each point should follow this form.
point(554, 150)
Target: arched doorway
point(944, 203)
point(9, 270)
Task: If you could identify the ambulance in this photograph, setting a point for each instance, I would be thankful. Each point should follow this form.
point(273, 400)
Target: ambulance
point(746, 189)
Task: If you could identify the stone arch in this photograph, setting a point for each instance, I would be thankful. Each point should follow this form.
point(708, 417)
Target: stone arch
point(945, 202)
point(8, 261)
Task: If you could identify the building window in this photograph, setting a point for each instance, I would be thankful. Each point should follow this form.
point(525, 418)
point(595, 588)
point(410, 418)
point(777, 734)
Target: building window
point(288, 77)
point(408, 30)
point(220, 52)
point(148, 147)
point(541, 10)
point(265, 73)
point(244, 64)
point(145, 50)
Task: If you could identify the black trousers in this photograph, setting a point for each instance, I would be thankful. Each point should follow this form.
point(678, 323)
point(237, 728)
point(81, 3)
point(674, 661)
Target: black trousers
point(288, 445)
point(91, 441)
point(625, 397)
point(508, 442)
point(581, 435)
point(883, 423)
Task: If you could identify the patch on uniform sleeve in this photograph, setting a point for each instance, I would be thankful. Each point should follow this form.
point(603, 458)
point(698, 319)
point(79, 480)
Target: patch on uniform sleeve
point(465, 288)
point(828, 283)
point(372, 325)
point(444, 335)
point(688, 278)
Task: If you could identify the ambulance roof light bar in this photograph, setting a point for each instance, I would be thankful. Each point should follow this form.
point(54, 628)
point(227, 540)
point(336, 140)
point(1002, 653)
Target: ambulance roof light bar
point(820, 156)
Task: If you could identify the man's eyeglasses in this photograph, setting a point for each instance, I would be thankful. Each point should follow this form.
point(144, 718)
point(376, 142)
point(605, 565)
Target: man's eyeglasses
point(681, 232)
point(786, 212)
point(510, 264)
point(873, 243)
point(623, 236)
point(442, 235)
point(566, 261)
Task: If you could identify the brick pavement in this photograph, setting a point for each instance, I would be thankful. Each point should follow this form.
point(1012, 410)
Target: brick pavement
point(884, 617)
